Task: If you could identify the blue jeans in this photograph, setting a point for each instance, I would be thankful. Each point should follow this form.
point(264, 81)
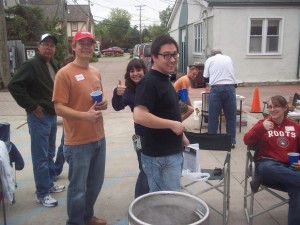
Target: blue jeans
point(43, 136)
point(222, 97)
point(163, 173)
point(60, 159)
point(86, 176)
point(141, 186)
point(273, 173)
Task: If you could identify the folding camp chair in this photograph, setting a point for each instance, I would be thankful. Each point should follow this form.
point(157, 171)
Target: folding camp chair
point(253, 185)
point(264, 111)
point(15, 156)
point(219, 179)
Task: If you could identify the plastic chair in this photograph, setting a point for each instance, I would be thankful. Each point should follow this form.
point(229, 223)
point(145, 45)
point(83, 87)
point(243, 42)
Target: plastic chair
point(219, 179)
point(253, 185)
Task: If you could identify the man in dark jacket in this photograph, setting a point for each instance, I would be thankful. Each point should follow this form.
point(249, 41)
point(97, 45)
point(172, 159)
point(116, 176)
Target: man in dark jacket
point(32, 88)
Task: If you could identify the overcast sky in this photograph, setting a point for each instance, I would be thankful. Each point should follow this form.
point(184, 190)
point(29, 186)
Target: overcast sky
point(149, 9)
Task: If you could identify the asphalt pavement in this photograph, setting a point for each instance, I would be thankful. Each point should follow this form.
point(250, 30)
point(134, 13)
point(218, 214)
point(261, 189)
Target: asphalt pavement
point(121, 163)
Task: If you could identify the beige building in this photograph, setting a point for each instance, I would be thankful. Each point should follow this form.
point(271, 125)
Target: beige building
point(261, 36)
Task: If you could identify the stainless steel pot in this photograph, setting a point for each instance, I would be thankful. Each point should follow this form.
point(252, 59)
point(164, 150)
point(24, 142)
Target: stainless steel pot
point(168, 208)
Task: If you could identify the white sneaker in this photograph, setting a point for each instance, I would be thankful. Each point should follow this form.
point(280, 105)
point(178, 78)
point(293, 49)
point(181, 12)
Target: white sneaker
point(47, 201)
point(57, 188)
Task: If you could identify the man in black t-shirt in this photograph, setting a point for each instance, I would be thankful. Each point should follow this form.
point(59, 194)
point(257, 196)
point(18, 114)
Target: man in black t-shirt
point(157, 110)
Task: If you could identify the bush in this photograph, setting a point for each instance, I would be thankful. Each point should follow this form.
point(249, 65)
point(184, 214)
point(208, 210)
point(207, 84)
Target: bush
point(113, 54)
point(94, 58)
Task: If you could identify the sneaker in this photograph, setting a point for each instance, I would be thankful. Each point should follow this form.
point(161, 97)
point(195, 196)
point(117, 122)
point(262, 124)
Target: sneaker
point(57, 188)
point(47, 201)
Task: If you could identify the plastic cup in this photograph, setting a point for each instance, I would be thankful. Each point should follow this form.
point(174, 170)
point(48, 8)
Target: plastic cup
point(183, 93)
point(96, 96)
point(293, 157)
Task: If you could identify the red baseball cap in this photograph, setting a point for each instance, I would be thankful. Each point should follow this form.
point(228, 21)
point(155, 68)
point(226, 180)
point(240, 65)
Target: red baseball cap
point(83, 34)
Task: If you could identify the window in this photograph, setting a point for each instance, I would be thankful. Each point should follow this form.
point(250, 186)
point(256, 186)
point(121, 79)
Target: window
point(265, 36)
point(198, 38)
point(74, 26)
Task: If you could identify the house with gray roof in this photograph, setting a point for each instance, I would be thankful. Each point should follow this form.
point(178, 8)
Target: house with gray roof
point(261, 36)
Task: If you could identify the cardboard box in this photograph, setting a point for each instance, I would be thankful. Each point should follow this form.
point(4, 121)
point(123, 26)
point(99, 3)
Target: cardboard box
point(197, 109)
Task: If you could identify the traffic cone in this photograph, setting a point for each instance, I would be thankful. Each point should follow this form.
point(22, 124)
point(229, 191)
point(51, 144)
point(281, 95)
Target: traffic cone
point(255, 108)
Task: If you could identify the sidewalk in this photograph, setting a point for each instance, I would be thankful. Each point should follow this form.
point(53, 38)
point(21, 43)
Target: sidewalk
point(121, 163)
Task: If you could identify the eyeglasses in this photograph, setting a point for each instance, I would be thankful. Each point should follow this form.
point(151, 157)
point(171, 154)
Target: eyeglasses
point(269, 107)
point(83, 43)
point(47, 45)
point(168, 56)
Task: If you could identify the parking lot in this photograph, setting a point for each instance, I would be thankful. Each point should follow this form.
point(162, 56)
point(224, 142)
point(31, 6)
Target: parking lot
point(121, 163)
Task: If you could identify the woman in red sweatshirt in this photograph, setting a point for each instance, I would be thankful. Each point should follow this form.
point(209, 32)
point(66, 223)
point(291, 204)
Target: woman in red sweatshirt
point(276, 136)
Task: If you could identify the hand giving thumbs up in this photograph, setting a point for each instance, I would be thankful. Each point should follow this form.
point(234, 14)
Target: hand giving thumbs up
point(120, 88)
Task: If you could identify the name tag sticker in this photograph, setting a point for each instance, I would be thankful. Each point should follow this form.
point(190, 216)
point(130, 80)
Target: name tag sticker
point(79, 77)
point(289, 128)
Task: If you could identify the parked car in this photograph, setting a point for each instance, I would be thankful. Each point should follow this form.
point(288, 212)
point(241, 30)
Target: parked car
point(113, 50)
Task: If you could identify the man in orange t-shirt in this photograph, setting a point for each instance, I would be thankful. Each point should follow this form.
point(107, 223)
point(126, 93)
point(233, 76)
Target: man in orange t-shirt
point(84, 142)
point(184, 82)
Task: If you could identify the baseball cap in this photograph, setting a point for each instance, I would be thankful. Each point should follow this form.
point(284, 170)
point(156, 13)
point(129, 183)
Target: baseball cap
point(83, 34)
point(47, 35)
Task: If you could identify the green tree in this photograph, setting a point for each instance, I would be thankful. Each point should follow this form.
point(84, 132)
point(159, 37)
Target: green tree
point(116, 30)
point(156, 30)
point(164, 16)
point(118, 23)
point(146, 36)
point(131, 38)
point(28, 24)
point(24, 23)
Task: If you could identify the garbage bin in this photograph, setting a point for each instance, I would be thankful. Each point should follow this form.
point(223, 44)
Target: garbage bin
point(199, 82)
point(168, 208)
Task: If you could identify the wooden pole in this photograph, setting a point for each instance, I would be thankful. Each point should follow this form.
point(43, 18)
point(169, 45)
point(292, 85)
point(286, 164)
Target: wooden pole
point(4, 62)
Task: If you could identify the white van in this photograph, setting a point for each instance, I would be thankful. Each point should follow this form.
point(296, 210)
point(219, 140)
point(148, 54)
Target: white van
point(97, 52)
point(97, 49)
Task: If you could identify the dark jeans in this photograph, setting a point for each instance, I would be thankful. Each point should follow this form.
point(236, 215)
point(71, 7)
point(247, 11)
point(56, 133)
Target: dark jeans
point(222, 98)
point(141, 186)
point(86, 176)
point(43, 136)
point(276, 173)
point(60, 158)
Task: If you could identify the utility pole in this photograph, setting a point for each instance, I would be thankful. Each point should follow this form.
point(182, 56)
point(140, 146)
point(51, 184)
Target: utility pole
point(4, 62)
point(140, 8)
point(89, 17)
point(65, 26)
